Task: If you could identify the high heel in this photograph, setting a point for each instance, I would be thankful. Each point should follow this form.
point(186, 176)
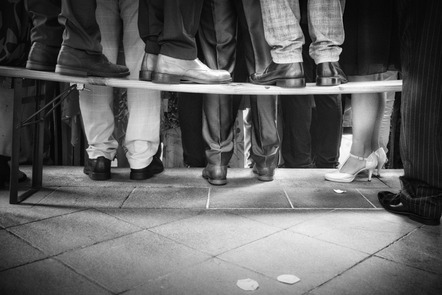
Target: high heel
point(371, 163)
point(382, 159)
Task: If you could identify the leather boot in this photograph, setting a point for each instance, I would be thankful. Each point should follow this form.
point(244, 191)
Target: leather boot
point(42, 57)
point(148, 66)
point(171, 70)
point(330, 74)
point(98, 169)
point(289, 75)
point(76, 62)
point(215, 174)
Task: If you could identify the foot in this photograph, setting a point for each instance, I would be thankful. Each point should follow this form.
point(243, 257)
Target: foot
point(148, 66)
point(42, 57)
point(284, 75)
point(171, 70)
point(264, 173)
point(392, 203)
point(352, 167)
point(216, 175)
point(155, 167)
point(330, 74)
point(76, 62)
point(98, 169)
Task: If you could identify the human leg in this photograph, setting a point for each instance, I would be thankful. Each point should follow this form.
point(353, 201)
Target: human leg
point(283, 33)
point(367, 110)
point(46, 34)
point(421, 111)
point(326, 28)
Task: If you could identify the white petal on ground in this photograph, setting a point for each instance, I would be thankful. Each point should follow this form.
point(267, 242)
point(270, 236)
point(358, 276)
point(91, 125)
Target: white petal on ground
point(338, 191)
point(288, 279)
point(248, 284)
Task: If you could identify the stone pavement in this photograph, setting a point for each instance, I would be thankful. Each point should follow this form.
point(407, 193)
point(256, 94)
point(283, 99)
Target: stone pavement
point(175, 234)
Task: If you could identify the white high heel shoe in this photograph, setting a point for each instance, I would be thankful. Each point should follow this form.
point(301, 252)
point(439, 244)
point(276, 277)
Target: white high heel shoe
point(370, 164)
point(382, 159)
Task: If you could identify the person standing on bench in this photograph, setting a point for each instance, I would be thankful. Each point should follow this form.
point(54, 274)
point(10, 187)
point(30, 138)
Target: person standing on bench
point(284, 34)
point(168, 28)
point(142, 138)
point(66, 38)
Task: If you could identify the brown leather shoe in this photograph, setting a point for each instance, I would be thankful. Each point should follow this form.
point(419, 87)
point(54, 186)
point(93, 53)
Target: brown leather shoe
point(171, 70)
point(98, 169)
point(264, 173)
point(289, 75)
point(216, 175)
point(330, 74)
point(76, 62)
point(42, 57)
point(148, 66)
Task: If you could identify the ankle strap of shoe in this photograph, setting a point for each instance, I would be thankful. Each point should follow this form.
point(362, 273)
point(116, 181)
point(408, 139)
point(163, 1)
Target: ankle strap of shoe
point(359, 158)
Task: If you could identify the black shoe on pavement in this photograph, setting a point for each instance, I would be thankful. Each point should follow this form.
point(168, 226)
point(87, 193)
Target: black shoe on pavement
point(76, 62)
point(42, 57)
point(98, 169)
point(392, 203)
point(215, 174)
point(155, 167)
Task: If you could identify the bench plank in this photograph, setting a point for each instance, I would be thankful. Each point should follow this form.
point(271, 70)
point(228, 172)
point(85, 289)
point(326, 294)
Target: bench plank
point(231, 88)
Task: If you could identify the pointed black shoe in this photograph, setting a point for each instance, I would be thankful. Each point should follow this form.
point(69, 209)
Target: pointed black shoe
point(330, 74)
point(98, 169)
point(155, 167)
point(289, 75)
point(392, 203)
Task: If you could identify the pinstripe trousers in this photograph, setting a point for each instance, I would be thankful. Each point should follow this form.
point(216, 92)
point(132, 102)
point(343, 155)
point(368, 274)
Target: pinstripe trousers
point(143, 128)
point(421, 109)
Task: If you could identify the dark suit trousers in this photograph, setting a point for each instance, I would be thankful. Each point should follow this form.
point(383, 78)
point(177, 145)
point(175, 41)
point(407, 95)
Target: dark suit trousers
point(76, 26)
point(232, 38)
point(169, 26)
point(421, 130)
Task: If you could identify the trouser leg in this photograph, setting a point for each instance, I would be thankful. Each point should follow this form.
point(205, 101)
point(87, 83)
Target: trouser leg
point(81, 27)
point(46, 28)
point(421, 108)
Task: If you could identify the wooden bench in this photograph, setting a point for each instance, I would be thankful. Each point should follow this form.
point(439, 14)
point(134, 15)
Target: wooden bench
point(19, 77)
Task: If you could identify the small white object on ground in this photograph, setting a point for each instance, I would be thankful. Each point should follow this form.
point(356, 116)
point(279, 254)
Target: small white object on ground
point(338, 191)
point(248, 284)
point(288, 279)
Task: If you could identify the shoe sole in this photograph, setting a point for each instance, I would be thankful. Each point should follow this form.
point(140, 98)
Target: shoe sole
point(30, 65)
point(161, 78)
point(146, 75)
point(97, 176)
point(140, 176)
point(328, 81)
point(285, 83)
point(71, 71)
point(215, 181)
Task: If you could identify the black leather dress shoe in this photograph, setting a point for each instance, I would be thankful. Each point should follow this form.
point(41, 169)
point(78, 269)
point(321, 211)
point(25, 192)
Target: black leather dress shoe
point(330, 74)
point(98, 169)
point(392, 203)
point(42, 57)
point(155, 167)
point(216, 175)
point(148, 66)
point(289, 75)
point(76, 62)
